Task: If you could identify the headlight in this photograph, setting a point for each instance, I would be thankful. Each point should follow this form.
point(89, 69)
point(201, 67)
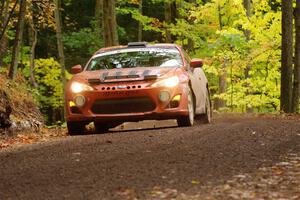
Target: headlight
point(169, 82)
point(77, 87)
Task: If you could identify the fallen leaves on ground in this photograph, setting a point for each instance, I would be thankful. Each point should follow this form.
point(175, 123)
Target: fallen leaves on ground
point(29, 138)
point(277, 182)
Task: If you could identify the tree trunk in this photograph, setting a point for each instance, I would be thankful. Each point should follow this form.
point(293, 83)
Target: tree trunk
point(59, 43)
point(220, 17)
point(191, 44)
point(247, 7)
point(99, 13)
point(168, 20)
point(110, 32)
point(140, 28)
point(220, 103)
point(99, 18)
point(113, 22)
point(2, 4)
point(4, 12)
point(222, 85)
point(3, 48)
point(296, 88)
point(6, 18)
point(18, 41)
point(32, 33)
point(247, 33)
point(4, 40)
point(286, 56)
point(106, 29)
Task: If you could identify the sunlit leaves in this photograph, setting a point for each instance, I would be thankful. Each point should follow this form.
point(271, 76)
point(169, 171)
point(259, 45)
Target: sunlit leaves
point(251, 67)
point(48, 77)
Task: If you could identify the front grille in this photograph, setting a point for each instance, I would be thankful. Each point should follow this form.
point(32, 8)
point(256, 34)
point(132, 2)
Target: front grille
point(128, 87)
point(119, 106)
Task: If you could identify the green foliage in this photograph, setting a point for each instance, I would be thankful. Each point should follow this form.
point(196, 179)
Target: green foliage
point(85, 41)
point(49, 92)
point(251, 67)
point(82, 44)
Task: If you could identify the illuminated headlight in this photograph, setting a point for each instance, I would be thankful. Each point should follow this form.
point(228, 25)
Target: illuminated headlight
point(169, 82)
point(164, 96)
point(79, 101)
point(77, 87)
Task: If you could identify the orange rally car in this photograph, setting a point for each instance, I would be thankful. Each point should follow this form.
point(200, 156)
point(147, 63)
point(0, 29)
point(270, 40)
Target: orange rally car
point(137, 82)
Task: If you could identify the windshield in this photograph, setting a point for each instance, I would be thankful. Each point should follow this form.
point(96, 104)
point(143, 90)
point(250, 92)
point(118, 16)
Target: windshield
point(136, 57)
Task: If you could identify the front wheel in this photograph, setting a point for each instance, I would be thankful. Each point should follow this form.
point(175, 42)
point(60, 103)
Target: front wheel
point(189, 119)
point(75, 128)
point(101, 127)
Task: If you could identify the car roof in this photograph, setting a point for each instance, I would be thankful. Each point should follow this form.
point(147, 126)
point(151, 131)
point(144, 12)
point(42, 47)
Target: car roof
point(136, 45)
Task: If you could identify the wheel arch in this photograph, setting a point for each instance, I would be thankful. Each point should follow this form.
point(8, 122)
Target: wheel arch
point(194, 96)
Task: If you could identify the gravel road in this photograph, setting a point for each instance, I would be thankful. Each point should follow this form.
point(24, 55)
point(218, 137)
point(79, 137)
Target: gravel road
point(139, 164)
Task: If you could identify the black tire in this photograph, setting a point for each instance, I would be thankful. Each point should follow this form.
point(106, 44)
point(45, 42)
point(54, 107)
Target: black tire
point(188, 120)
point(101, 127)
point(207, 116)
point(75, 128)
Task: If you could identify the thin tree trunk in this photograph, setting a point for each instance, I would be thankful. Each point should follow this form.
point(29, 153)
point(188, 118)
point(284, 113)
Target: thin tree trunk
point(60, 46)
point(114, 26)
point(18, 41)
point(3, 40)
point(99, 13)
point(222, 85)
point(247, 7)
point(220, 103)
point(106, 29)
point(99, 18)
point(286, 56)
point(7, 19)
point(168, 20)
point(220, 17)
point(110, 33)
point(32, 33)
point(191, 43)
point(3, 49)
point(3, 13)
point(140, 28)
point(2, 3)
point(247, 33)
point(296, 88)
point(59, 41)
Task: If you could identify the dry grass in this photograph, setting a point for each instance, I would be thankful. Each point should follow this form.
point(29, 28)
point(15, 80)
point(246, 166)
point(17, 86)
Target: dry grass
point(24, 108)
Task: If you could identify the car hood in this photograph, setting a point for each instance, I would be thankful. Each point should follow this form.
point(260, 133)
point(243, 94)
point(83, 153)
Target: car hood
point(126, 74)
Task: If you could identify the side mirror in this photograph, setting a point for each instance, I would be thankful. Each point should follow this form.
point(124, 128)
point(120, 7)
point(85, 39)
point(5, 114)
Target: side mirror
point(76, 69)
point(196, 63)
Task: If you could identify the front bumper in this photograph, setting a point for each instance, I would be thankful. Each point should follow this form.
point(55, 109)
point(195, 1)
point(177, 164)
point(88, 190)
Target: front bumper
point(111, 93)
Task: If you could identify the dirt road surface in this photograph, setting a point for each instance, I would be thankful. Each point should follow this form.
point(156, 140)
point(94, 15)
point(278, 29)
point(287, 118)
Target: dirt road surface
point(235, 157)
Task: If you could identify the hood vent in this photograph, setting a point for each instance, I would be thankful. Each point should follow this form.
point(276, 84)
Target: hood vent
point(114, 79)
point(121, 77)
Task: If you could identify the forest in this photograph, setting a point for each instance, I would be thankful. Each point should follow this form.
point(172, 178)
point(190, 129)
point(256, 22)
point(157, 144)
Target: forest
point(251, 48)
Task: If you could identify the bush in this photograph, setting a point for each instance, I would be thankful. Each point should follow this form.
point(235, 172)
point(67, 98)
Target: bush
point(49, 92)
